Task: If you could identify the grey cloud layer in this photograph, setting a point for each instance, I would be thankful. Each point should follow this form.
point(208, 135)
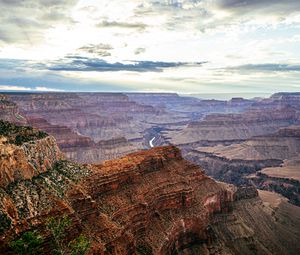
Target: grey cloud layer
point(24, 21)
point(202, 14)
point(85, 64)
point(259, 4)
point(268, 67)
point(100, 49)
point(116, 24)
point(77, 63)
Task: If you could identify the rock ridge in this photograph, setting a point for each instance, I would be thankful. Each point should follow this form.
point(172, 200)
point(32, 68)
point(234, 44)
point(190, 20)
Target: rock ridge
point(150, 201)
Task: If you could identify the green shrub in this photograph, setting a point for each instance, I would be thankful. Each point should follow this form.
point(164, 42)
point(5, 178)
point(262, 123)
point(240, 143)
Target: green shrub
point(5, 222)
point(20, 134)
point(29, 244)
point(57, 228)
point(79, 246)
point(144, 249)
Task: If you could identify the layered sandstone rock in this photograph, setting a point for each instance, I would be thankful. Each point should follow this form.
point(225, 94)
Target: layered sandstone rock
point(190, 107)
point(234, 127)
point(149, 202)
point(85, 123)
point(9, 111)
point(276, 155)
point(284, 144)
point(138, 117)
point(27, 159)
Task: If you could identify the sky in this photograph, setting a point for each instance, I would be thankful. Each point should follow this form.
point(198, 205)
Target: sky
point(187, 46)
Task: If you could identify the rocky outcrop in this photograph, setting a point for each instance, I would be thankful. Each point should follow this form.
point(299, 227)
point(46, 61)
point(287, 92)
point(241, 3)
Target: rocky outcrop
point(24, 159)
point(66, 138)
point(9, 111)
point(226, 127)
point(148, 202)
point(82, 148)
point(276, 155)
point(229, 170)
point(83, 122)
point(98, 152)
point(245, 192)
point(251, 227)
point(287, 187)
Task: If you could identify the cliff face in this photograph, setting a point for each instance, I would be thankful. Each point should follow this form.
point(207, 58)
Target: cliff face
point(270, 162)
point(84, 123)
point(233, 127)
point(153, 196)
point(24, 158)
point(82, 148)
point(253, 227)
point(9, 111)
point(148, 202)
point(142, 199)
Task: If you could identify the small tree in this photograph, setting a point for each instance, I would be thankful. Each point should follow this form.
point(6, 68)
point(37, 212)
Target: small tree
point(57, 228)
point(29, 244)
point(79, 246)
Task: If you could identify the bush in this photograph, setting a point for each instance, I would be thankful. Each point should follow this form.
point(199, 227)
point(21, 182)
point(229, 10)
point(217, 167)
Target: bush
point(29, 244)
point(5, 222)
point(20, 134)
point(144, 249)
point(79, 246)
point(57, 228)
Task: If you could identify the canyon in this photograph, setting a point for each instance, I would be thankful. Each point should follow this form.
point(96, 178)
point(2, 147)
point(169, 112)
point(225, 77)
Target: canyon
point(132, 200)
point(147, 202)
point(92, 127)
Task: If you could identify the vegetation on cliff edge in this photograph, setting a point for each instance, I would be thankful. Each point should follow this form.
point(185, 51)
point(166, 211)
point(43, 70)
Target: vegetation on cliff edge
point(20, 134)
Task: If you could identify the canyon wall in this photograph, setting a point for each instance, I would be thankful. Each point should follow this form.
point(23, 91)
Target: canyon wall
point(148, 202)
point(270, 162)
point(85, 123)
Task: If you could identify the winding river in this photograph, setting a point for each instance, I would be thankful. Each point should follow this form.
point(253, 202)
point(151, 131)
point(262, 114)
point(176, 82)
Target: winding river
point(151, 142)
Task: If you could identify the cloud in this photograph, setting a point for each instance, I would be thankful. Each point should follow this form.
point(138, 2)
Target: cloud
point(101, 49)
point(276, 6)
point(84, 64)
point(22, 88)
point(14, 88)
point(59, 41)
point(207, 15)
point(116, 24)
point(26, 21)
point(100, 46)
point(269, 67)
point(47, 89)
point(139, 51)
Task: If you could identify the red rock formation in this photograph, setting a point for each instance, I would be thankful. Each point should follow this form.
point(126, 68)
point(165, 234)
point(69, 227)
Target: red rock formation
point(130, 195)
point(84, 123)
point(23, 162)
point(66, 138)
point(9, 111)
point(152, 201)
point(275, 154)
point(234, 127)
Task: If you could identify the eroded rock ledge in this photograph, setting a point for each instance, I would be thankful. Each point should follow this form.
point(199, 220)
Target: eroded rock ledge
point(149, 202)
